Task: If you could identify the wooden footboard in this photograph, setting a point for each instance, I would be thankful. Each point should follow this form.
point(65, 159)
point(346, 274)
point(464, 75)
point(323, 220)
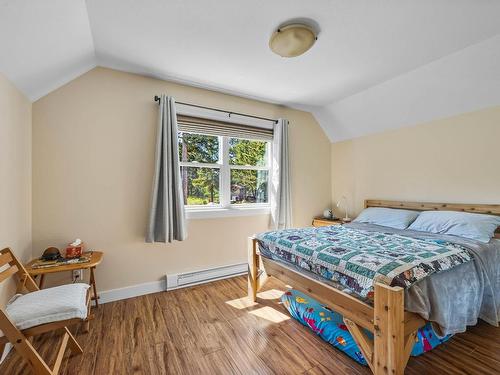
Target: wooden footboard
point(394, 330)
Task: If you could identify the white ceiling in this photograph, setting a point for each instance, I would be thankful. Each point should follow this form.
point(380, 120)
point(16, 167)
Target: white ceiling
point(462, 82)
point(223, 45)
point(44, 43)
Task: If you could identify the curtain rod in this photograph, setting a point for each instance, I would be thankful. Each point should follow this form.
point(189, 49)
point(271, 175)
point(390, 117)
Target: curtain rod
point(157, 99)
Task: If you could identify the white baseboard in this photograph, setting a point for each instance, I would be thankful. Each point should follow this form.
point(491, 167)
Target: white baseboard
point(174, 281)
point(132, 291)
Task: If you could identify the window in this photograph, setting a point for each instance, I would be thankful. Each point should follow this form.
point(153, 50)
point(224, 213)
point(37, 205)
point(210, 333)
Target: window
point(249, 171)
point(200, 168)
point(223, 172)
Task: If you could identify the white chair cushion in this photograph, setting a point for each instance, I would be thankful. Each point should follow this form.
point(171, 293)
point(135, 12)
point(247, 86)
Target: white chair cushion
point(48, 305)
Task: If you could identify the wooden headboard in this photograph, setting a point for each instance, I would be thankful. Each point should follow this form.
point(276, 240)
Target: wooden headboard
point(490, 209)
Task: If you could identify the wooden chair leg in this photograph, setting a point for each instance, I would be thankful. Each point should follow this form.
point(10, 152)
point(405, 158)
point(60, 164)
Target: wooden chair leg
point(60, 353)
point(86, 323)
point(23, 346)
point(86, 326)
point(28, 352)
point(73, 344)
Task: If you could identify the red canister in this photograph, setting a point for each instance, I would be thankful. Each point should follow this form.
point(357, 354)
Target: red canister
point(74, 251)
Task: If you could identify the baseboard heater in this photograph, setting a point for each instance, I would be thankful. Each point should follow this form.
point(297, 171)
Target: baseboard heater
point(182, 280)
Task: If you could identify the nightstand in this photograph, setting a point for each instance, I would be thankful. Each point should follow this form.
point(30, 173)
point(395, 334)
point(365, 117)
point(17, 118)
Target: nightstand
point(95, 260)
point(323, 222)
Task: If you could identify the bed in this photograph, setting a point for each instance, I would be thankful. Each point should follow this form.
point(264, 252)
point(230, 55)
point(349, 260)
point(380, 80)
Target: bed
point(380, 307)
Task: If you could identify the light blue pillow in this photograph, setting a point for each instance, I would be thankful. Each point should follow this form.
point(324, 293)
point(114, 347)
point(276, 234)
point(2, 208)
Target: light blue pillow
point(463, 224)
point(388, 217)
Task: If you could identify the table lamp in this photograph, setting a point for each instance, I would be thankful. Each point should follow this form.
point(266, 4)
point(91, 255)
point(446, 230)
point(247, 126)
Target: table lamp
point(342, 203)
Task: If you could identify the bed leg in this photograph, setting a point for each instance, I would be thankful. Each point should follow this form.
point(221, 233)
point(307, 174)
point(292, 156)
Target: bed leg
point(253, 269)
point(390, 356)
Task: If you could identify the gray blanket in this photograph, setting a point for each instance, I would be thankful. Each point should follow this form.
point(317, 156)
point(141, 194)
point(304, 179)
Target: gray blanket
point(456, 298)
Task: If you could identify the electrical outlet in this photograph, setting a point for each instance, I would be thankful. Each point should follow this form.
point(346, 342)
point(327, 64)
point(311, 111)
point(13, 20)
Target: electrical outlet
point(77, 276)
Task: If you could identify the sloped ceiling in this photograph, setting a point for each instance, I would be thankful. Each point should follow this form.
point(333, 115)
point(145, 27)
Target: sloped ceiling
point(44, 43)
point(372, 58)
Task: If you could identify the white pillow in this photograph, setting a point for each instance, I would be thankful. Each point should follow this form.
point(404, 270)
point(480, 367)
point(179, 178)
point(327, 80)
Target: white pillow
point(388, 217)
point(463, 224)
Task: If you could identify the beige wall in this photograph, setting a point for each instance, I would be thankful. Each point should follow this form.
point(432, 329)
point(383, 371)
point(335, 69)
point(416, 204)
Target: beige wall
point(451, 160)
point(15, 176)
point(93, 149)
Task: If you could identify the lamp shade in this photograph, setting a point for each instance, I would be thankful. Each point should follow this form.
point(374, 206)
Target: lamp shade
point(292, 40)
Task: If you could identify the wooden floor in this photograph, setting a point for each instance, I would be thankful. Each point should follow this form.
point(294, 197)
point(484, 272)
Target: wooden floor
point(211, 329)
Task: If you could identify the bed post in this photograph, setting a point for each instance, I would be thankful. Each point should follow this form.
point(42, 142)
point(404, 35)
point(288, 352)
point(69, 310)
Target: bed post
point(257, 275)
point(390, 354)
point(253, 268)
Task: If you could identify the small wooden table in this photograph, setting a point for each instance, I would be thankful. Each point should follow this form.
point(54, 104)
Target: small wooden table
point(95, 260)
point(323, 222)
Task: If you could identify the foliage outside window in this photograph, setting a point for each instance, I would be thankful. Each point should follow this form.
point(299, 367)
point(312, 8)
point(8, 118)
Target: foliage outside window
point(222, 171)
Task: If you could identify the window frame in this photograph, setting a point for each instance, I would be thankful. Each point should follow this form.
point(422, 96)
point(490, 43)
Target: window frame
point(225, 208)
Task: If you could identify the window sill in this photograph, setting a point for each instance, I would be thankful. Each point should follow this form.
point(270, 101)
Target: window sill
point(213, 213)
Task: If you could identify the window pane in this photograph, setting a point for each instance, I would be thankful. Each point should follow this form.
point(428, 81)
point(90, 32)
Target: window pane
point(200, 185)
point(199, 148)
point(248, 186)
point(246, 152)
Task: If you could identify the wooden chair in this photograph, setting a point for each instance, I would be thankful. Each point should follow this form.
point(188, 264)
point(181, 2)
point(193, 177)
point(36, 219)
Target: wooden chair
point(20, 339)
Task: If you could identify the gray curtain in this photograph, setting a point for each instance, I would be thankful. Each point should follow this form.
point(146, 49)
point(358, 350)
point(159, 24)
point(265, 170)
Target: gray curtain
point(166, 218)
point(281, 197)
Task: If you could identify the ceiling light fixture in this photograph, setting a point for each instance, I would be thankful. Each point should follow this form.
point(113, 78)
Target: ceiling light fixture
point(292, 40)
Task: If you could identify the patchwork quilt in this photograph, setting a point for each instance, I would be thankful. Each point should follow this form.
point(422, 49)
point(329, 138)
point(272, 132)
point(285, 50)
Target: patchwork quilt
point(356, 258)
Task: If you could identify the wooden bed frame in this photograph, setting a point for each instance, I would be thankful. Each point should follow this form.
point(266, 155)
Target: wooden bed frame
point(394, 329)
